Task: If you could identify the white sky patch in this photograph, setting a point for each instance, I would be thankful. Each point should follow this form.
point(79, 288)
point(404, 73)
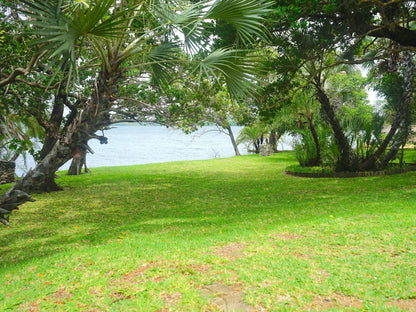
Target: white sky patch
point(373, 96)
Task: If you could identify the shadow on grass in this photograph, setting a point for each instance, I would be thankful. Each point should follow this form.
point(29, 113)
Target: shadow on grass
point(199, 199)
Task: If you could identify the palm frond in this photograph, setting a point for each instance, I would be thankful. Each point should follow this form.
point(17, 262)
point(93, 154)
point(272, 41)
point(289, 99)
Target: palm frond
point(61, 29)
point(246, 16)
point(188, 22)
point(237, 68)
point(161, 58)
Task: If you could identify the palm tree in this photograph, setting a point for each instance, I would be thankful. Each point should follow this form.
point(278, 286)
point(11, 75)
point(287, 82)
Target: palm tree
point(118, 41)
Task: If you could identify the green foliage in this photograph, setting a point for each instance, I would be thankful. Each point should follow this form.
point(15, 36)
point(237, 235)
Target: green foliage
point(245, 16)
point(17, 135)
point(254, 135)
point(306, 150)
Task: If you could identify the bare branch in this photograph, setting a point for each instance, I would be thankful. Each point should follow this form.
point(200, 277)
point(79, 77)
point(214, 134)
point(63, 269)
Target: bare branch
point(22, 71)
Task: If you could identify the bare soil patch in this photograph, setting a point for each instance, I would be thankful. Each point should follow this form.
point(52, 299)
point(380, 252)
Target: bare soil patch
point(287, 236)
point(321, 275)
point(403, 304)
point(231, 251)
point(171, 299)
point(321, 303)
point(135, 275)
point(228, 298)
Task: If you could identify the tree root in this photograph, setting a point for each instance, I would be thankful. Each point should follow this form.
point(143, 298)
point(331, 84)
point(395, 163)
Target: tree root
point(11, 200)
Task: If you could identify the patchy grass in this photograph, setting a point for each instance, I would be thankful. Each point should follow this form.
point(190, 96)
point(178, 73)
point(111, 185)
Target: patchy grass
point(223, 234)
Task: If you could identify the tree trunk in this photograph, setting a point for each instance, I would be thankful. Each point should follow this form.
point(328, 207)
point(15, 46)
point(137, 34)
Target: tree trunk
point(235, 146)
point(318, 160)
point(78, 161)
point(401, 122)
point(404, 109)
point(346, 160)
point(42, 177)
point(52, 126)
point(274, 139)
point(94, 116)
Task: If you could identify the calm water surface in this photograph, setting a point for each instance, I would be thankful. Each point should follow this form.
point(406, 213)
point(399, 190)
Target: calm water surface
point(134, 144)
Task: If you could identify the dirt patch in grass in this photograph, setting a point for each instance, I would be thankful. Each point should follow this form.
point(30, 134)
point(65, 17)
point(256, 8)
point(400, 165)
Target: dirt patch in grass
point(192, 269)
point(58, 297)
point(228, 298)
point(287, 236)
point(133, 276)
point(321, 303)
point(231, 251)
point(320, 275)
point(61, 295)
point(403, 304)
point(171, 299)
point(301, 255)
point(30, 306)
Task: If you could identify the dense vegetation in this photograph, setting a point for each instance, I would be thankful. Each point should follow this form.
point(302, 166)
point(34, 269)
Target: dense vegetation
point(179, 236)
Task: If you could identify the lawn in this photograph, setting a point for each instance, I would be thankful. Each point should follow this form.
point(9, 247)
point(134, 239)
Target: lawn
point(215, 235)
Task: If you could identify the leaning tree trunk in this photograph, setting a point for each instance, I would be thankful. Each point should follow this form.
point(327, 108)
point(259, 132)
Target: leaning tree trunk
point(346, 159)
point(42, 178)
point(94, 116)
point(37, 180)
point(404, 109)
point(235, 146)
point(399, 129)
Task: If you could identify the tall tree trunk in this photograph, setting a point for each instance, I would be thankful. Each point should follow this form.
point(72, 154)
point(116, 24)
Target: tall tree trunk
point(235, 146)
point(404, 109)
point(318, 159)
point(346, 160)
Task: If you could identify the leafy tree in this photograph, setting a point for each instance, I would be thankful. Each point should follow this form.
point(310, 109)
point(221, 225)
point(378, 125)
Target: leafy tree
point(379, 19)
point(83, 51)
point(312, 43)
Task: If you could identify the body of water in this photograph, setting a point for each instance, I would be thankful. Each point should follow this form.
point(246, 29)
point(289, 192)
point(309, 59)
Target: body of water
point(131, 144)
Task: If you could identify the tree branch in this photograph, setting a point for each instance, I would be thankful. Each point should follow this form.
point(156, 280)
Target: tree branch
point(22, 71)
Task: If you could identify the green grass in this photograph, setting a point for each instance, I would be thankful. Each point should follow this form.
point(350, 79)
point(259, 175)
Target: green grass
point(153, 237)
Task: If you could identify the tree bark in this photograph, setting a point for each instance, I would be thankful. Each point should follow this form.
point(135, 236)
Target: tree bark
point(346, 160)
point(404, 109)
point(318, 160)
point(42, 178)
point(235, 146)
point(79, 160)
point(274, 137)
point(52, 126)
